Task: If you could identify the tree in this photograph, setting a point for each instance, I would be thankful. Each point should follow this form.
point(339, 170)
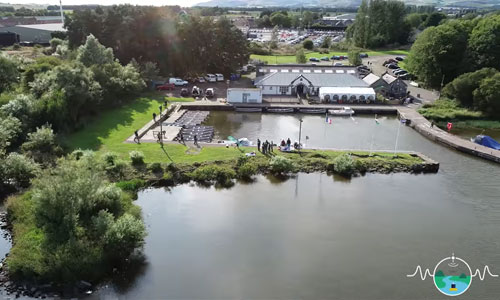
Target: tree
point(487, 96)
point(10, 132)
point(85, 224)
point(54, 43)
point(434, 19)
point(93, 53)
point(280, 19)
point(41, 145)
point(300, 57)
point(438, 53)
point(354, 58)
point(462, 88)
point(8, 73)
point(326, 42)
point(18, 170)
point(308, 44)
point(67, 92)
point(484, 42)
point(274, 38)
point(41, 65)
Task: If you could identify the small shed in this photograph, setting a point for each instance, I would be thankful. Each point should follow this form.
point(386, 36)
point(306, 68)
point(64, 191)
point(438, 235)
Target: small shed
point(244, 95)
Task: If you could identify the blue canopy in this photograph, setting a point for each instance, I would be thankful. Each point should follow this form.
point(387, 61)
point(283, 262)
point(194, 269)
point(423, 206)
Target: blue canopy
point(487, 141)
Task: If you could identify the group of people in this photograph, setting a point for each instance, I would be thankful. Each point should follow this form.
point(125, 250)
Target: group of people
point(265, 147)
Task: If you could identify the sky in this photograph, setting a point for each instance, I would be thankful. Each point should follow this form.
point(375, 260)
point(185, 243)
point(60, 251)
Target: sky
point(183, 3)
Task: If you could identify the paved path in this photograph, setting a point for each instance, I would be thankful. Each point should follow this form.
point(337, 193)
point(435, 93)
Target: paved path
point(423, 126)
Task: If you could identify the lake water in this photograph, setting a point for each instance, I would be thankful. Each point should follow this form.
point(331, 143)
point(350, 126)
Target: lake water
point(318, 236)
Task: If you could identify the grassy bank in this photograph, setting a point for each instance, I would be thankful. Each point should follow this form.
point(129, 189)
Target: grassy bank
point(290, 59)
point(444, 111)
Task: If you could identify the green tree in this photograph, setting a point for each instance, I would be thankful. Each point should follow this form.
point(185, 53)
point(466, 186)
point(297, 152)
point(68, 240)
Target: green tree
point(300, 57)
point(308, 44)
point(54, 43)
point(484, 42)
point(9, 73)
point(462, 88)
point(93, 53)
point(41, 65)
point(280, 19)
point(354, 58)
point(326, 42)
point(433, 19)
point(487, 96)
point(10, 132)
point(41, 145)
point(274, 38)
point(438, 53)
point(17, 171)
point(84, 224)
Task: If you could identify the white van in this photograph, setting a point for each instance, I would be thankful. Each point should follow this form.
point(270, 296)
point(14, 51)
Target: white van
point(211, 78)
point(177, 81)
point(220, 77)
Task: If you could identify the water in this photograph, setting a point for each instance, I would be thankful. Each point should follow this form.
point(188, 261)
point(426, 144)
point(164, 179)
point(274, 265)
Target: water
point(473, 132)
point(318, 236)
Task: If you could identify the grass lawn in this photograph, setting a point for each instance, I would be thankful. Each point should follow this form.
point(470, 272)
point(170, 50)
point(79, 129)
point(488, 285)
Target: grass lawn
point(109, 131)
point(290, 59)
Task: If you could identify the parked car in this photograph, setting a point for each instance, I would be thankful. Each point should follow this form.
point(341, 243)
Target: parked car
point(211, 78)
point(178, 81)
point(338, 64)
point(400, 72)
point(390, 61)
point(184, 92)
point(210, 92)
point(165, 87)
point(314, 59)
point(363, 67)
point(392, 66)
point(325, 58)
point(219, 77)
point(406, 76)
point(363, 55)
point(200, 80)
point(342, 57)
point(196, 91)
point(399, 58)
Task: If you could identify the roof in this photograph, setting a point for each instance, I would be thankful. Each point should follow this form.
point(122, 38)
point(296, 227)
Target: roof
point(316, 79)
point(347, 90)
point(45, 27)
point(389, 78)
point(371, 78)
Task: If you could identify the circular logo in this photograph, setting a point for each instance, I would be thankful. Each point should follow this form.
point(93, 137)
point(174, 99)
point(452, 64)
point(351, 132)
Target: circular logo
point(452, 276)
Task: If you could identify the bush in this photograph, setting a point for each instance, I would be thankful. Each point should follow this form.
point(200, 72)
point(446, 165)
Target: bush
point(247, 170)
point(447, 110)
point(77, 154)
point(308, 44)
point(42, 145)
point(137, 157)
point(131, 185)
point(219, 174)
point(156, 167)
point(344, 164)
point(17, 170)
point(118, 170)
point(281, 165)
point(109, 158)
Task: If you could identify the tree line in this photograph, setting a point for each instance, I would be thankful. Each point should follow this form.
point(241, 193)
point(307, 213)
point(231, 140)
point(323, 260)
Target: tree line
point(464, 55)
point(178, 44)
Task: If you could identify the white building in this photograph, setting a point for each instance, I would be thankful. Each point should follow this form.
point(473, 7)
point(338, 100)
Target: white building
point(244, 95)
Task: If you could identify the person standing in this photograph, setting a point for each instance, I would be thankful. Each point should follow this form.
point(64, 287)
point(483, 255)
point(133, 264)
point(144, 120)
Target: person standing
point(258, 145)
point(288, 143)
point(136, 138)
point(154, 117)
point(271, 146)
point(195, 138)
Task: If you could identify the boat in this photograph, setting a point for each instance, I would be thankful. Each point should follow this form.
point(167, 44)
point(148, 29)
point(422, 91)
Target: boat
point(312, 110)
point(345, 111)
point(248, 109)
point(486, 141)
point(280, 110)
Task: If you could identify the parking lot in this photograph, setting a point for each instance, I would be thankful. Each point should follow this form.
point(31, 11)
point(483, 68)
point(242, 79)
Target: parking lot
point(219, 87)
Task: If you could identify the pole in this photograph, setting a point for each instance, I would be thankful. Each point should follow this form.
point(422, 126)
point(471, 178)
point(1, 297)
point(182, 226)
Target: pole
point(61, 9)
point(397, 138)
point(161, 128)
point(300, 132)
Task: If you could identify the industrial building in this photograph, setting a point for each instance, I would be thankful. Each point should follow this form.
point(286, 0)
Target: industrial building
point(36, 33)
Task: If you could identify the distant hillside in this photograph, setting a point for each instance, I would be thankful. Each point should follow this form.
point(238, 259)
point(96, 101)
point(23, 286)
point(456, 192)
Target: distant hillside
point(343, 3)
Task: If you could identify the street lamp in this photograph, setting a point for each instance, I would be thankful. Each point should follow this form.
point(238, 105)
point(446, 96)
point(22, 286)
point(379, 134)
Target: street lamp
point(161, 127)
point(300, 132)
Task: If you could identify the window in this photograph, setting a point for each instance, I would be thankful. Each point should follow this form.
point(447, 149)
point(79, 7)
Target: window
point(283, 90)
point(270, 88)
